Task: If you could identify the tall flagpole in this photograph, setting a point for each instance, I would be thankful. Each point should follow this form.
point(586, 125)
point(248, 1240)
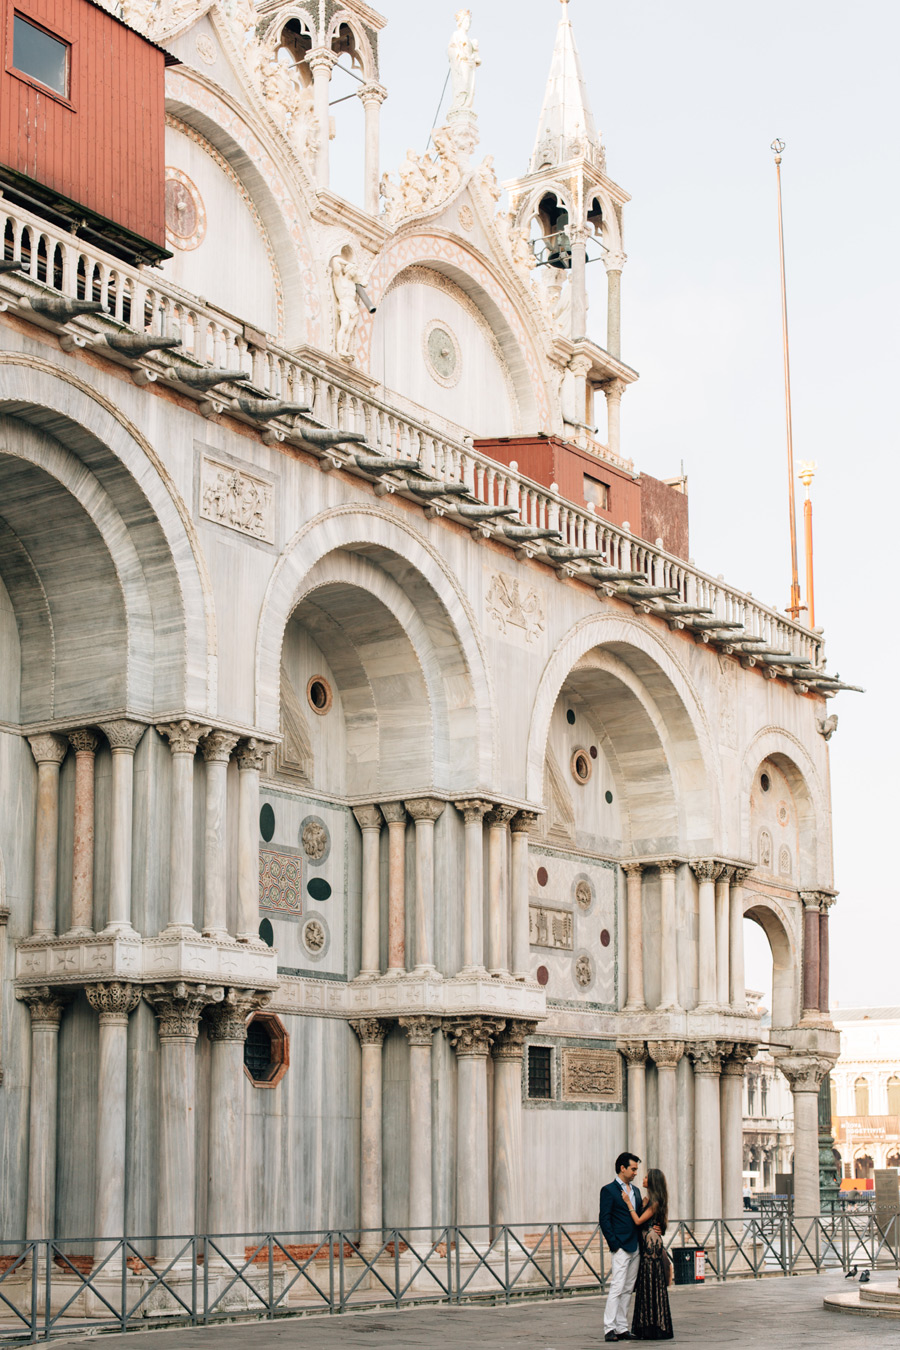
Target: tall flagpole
point(794, 607)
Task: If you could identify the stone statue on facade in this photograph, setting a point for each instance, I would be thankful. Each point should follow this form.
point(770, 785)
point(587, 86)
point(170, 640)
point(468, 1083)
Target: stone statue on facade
point(426, 181)
point(464, 61)
point(343, 283)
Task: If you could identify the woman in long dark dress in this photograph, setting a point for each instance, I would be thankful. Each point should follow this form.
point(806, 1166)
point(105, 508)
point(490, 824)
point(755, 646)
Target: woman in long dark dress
point(652, 1320)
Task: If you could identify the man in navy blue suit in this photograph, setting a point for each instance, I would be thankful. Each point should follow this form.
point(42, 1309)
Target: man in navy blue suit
point(622, 1238)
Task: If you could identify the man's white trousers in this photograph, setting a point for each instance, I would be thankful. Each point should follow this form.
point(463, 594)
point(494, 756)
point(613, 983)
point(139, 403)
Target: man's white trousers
point(621, 1287)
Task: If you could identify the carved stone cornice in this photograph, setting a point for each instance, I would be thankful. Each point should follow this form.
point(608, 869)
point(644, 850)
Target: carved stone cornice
point(805, 1072)
point(183, 736)
point(370, 1030)
point(44, 1003)
point(510, 1044)
point(635, 1052)
point(705, 869)
point(666, 1054)
point(48, 748)
point(474, 1035)
point(251, 754)
point(114, 1001)
point(179, 1007)
point(123, 734)
point(83, 741)
point(420, 1030)
point(393, 812)
point(425, 808)
point(217, 746)
point(523, 822)
point(227, 1021)
point(499, 816)
point(706, 1056)
point(368, 817)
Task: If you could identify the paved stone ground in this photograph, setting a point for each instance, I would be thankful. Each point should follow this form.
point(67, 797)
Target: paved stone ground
point(751, 1314)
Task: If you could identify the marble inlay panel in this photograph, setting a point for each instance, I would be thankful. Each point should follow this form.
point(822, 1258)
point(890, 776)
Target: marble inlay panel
point(591, 1076)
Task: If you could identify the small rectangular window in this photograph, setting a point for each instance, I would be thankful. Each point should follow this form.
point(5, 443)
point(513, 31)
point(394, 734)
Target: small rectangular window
point(596, 494)
point(539, 1071)
point(41, 56)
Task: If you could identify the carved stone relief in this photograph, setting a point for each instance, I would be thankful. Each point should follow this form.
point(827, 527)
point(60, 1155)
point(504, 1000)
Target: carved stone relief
point(315, 937)
point(584, 971)
point(591, 1076)
point(549, 927)
point(236, 499)
point(511, 607)
point(765, 850)
point(314, 839)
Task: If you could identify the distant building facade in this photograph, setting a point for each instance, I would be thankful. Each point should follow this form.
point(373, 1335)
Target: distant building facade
point(865, 1090)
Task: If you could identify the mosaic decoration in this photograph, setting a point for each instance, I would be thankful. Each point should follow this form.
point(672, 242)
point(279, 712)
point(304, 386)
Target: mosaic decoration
point(280, 882)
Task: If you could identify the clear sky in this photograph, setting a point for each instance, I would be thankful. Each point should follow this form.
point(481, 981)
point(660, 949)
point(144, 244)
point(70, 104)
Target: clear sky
point(689, 94)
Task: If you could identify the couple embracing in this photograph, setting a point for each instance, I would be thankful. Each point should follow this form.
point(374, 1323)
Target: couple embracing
point(633, 1228)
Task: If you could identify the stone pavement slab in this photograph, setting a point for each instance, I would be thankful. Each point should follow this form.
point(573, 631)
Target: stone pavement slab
point(750, 1314)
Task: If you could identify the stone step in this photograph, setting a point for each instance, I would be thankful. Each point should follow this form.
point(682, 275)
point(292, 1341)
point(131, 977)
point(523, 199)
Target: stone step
point(878, 1300)
point(880, 1293)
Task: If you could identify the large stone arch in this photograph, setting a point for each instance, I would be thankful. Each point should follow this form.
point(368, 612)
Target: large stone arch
point(785, 945)
point(372, 550)
point(140, 540)
point(813, 807)
point(625, 651)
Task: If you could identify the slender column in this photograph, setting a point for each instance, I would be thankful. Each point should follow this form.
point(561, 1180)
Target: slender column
point(731, 1092)
point(114, 1002)
point(369, 820)
point(321, 63)
point(49, 752)
point(508, 1200)
point(811, 902)
point(45, 1005)
point(665, 1055)
point(635, 1053)
point(805, 1074)
point(371, 1033)
point(706, 872)
point(84, 743)
point(183, 737)
point(520, 827)
point(395, 815)
point(124, 738)
point(824, 1000)
point(178, 1007)
point(226, 1027)
point(579, 288)
point(579, 366)
point(372, 97)
point(425, 811)
point(707, 1058)
point(497, 821)
point(473, 813)
point(723, 927)
point(614, 263)
point(471, 1038)
point(668, 938)
point(420, 1034)
point(250, 756)
point(634, 925)
point(614, 389)
point(4, 921)
point(737, 988)
point(217, 748)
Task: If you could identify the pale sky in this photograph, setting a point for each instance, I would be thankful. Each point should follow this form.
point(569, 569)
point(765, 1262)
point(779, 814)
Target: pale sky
point(689, 94)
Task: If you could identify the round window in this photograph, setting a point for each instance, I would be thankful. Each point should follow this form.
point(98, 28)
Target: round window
point(764, 782)
point(318, 693)
point(581, 766)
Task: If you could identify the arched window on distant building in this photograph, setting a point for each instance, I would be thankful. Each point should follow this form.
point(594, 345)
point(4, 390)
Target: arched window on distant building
point(893, 1095)
point(861, 1088)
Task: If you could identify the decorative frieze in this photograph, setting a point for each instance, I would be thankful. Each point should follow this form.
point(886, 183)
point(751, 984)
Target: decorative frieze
point(550, 927)
point(591, 1076)
point(237, 499)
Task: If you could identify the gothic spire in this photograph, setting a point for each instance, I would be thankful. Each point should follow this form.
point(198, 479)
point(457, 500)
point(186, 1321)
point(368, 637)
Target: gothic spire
point(566, 127)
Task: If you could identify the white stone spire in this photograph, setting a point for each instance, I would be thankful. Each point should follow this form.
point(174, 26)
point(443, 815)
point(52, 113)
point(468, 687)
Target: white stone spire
point(566, 128)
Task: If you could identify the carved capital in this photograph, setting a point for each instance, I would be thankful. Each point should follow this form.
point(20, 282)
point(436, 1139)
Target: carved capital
point(499, 817)
point(725, 874)
point(251, 754)
point(735, 1064)
point(370, 1030)
point(510, 1044)
point(579, 364)
point(372, 93)
point(217, 746)
point(813, 899)
point(321, 59)
point(635, 1052)
point(45, 1003)
point(473, 1035)
point(665, 1054)
point(393, 812)
point(706, 1056)
point(183, 735)
point(632, 869)
point(805, 1072)
point(123, 734)
point(179, 1006)
point(424, 808)
point(668, 866)
point(523, 822)
point(83, 741)
point(227, 1021)
point(740, 875)
point(473, 810)
point(614, 262)
point(420, 1030)
point(614, 389)
point(114, 1001)
point(368, 817)
point(48, 749)
point(705, 869)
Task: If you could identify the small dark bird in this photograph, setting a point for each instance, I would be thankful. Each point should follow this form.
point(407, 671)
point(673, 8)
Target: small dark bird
point(864, 1277)
point(851, 1273)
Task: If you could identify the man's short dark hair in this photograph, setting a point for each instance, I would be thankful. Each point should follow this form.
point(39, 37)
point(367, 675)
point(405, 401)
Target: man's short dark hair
point(624, 1160)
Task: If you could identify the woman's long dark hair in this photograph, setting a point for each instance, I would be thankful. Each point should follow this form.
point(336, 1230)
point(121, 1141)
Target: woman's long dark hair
point(658, 1195)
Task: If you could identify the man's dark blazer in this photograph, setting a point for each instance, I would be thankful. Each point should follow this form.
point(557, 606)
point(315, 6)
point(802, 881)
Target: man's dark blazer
point(616, 1222)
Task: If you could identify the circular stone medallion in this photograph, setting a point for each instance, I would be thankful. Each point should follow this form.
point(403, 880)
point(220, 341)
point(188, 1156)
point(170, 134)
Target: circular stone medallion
point(185, 212)
point(315, 839)
point(315, 938)
point(206, 48)
point(442, 354)
point(584, 894)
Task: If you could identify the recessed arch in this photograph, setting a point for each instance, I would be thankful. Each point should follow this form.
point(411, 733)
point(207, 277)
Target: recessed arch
point(813, 809)
point(776, 923)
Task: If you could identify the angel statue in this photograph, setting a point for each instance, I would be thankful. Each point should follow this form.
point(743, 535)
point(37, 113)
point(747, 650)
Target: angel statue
point(464, 59)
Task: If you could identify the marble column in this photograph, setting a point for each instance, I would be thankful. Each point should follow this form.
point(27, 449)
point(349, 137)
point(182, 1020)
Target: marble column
point(45, 1005)
point(84, 743)
point(668, 938)
point(824, 997)
point(226, 1027)
point(115, 1002)
point(471, 1038)
point(124, 738)
point(507, 1193)
point(731, 1101)
point(707, 1060)
point(578, 282)
point(250, 756)
point(49, 752)
point(473, 813)
point(737, 987)
point(420, 1034)
point(497, 821)
point(216, 748)
point(395, 815)
point(614, 389)
point(614, 262)
point(183, 737)
point(424, 811)
point(520, 827)
point(178, 1007)
point(635, 1054)
point(804, 1074)
point(580, 367)
point(372, 96)
point(723, 933)
point(665, 1055)
point(634, 939)
point(321, 62)
point(371, 1033)
point(369, 820)
point(811, 903)
point(706, 871)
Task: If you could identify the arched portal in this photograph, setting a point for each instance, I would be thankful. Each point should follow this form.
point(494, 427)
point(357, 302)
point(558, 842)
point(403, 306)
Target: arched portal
point(783, 998)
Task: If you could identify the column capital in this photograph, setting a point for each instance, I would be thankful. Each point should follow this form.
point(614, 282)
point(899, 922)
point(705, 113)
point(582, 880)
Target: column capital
point(420, 1030)
point(473, 1035)
point(805, 1072)
point(227, 1021)
point(83, 741)
point(736, 1062)
point(614, 262)
point(123, 734)
point(472, 809)
point(725, 873)
point(114, 1001)
point(425, 808)
point(48, 748)
point(178, 1007)
point(706, 1056)
point(668, 865)
point(370, 1030)
point(510, 1044)
point(816, 899)
point(523, 822)
point(183, 736)
point(393, 812)
point(633, 867)
point(665, 1054)
point(740, 875)
point(499, 816)
point(372, 93)
point(321, 58)
point(705, 869)
point(368, 817)
point(45, 1003)
point(216, 747)
point(614, 389)
point(635, 1052)
point(251, 753)
point(579, 364)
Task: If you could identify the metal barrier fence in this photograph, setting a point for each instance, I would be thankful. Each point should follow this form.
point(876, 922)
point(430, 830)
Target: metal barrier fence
point(62, 1287)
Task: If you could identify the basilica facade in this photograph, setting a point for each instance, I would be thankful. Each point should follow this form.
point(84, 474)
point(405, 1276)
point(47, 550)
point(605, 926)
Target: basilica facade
point(382, 789)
